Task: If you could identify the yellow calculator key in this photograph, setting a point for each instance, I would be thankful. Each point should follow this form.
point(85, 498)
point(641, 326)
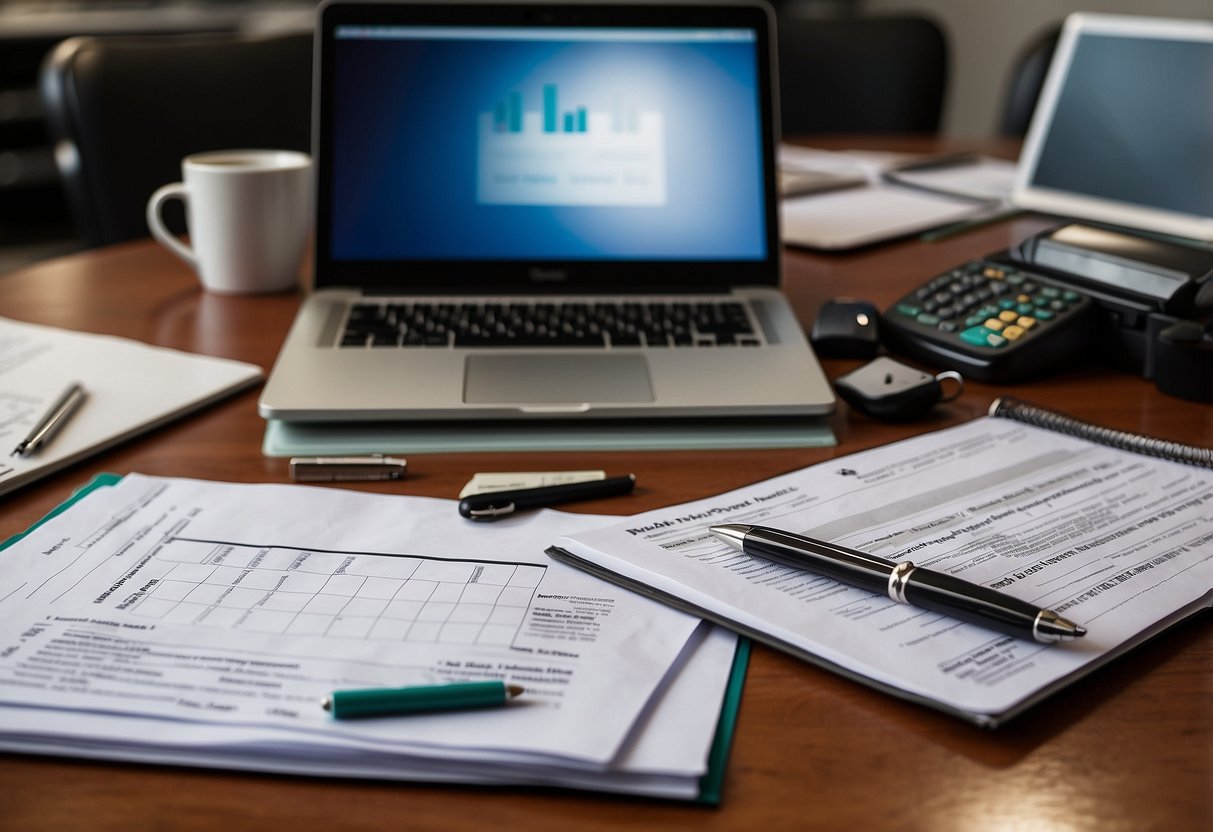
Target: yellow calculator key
point(994, 324)
point(1008, 316)
point(1026, 322)
point(1012, 333)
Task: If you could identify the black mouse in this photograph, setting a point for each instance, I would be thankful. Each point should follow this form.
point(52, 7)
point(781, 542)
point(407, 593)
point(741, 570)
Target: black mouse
point(846, 328)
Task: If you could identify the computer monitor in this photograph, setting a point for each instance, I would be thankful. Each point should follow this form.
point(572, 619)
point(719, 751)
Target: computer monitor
point(1123, 131)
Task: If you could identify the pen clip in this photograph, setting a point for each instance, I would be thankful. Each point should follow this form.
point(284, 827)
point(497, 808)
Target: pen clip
point(490, 512)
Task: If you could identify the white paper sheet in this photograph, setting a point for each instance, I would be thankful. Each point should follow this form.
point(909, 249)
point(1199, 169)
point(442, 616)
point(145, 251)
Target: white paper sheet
point(130, 387)
point(654, 762)
point(1116, 541)
point(188, 603)
point(905, 193)
point(859, 216)
point(980, 178)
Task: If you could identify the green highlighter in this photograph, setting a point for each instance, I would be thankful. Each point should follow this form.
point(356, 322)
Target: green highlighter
point(353, 704)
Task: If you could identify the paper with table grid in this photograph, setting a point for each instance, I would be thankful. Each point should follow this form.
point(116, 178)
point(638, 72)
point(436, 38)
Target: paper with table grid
point(203, 623)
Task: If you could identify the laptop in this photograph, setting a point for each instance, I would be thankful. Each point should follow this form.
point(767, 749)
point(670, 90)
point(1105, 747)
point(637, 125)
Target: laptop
point(549, 211)
point(1123, 130)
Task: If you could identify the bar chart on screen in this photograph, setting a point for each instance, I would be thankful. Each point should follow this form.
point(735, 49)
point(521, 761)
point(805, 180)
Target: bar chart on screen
point(570, 154)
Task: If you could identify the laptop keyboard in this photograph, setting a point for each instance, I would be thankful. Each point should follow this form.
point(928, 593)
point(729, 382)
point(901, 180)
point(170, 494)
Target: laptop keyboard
point(593, 323)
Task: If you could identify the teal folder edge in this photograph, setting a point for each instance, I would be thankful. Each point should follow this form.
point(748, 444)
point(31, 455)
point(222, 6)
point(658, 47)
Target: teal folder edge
point(98, 481)
point(710, 785)
point(332, 439)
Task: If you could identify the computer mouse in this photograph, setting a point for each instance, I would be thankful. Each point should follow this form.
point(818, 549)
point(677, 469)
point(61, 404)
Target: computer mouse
point(846, 328)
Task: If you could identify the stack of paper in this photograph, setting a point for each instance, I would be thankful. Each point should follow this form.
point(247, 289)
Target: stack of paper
point(203, 623)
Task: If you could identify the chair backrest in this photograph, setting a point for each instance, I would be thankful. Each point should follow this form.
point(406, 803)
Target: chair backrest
point(123, 111)
point(884, 74)
point(1026, 78)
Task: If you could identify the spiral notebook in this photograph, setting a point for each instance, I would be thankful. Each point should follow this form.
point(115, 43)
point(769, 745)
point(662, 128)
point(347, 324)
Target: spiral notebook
point(1031, 414)
point(1111, 529)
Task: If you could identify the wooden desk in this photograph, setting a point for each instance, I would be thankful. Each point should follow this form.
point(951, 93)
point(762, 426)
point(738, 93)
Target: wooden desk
point(1128, 748)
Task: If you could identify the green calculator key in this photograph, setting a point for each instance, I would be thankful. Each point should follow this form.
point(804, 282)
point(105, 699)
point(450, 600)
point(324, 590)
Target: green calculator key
point(979, 336)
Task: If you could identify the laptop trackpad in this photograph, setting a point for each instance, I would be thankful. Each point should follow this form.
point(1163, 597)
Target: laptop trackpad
point(556, 379)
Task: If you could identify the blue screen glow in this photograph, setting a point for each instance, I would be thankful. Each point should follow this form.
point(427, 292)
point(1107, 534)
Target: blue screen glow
point(555, 144)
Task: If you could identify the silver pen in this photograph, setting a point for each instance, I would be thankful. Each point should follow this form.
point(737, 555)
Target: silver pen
point(347, 468)
point(56, 417)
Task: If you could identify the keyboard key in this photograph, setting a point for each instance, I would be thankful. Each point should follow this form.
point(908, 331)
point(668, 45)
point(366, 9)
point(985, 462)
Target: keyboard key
point(557, 324)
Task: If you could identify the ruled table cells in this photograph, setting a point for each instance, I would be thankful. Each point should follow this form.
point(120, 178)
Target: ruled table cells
point(335, 594)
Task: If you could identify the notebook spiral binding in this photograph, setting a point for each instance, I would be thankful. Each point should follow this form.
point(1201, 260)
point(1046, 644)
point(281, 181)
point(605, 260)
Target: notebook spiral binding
point(1031, 414)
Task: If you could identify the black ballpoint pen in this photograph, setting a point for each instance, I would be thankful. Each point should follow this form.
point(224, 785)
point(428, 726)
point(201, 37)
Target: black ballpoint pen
point(903, 582)
point(495, 504)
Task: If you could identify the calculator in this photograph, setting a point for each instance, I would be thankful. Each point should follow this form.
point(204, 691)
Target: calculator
point(991, 321)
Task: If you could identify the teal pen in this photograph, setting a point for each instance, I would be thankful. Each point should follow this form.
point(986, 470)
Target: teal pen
point(351, 704)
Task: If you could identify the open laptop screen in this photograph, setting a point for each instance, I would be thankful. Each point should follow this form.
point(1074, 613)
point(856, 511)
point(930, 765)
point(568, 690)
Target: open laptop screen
point(518, 143)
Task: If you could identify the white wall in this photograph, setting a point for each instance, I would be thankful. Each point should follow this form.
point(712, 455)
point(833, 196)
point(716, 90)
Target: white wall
point(985, 36)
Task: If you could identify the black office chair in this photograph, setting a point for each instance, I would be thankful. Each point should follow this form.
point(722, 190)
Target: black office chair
point(1026, 79)
point(123, 110)
point(885, 74)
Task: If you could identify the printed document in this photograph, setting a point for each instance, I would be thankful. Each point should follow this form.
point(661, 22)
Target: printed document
point(220, 615)
point(130, 387)
point(1115, 541)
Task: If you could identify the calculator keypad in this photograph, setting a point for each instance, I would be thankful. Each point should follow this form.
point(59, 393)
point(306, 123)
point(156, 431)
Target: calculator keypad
point(980, 309)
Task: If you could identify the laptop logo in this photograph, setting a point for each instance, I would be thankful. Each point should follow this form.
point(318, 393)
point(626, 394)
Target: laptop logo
point(539, 275)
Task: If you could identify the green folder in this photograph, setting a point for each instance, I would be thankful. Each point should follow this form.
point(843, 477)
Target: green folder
point(98, 481)
point(711, 785)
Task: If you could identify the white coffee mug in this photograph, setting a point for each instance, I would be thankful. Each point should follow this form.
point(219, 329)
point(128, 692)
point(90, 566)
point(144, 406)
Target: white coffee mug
point(249, 216)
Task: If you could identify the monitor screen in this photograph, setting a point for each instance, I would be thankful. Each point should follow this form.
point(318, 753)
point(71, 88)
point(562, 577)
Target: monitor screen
point(1124, 129)
point(1134, 122)
point(516, 143)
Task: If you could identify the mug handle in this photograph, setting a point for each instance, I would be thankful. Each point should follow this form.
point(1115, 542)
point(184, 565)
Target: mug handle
point(156, 225)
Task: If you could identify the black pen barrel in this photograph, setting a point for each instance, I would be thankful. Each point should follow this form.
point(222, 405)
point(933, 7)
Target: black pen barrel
point(571, 492)
point(495, 504)
point(902, 582)
point(838, 562)
point(977, 604)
